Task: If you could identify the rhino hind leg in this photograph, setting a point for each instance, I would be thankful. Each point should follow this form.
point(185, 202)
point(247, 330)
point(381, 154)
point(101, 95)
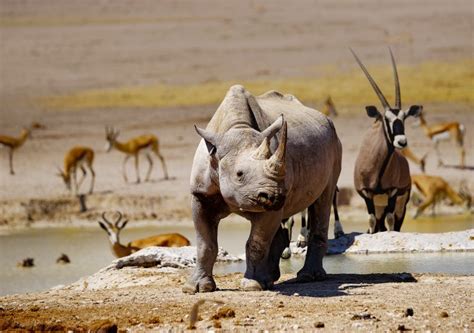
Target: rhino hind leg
point(318, 223)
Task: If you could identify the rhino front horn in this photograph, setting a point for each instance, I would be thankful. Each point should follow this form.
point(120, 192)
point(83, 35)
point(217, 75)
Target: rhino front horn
point(275, 166)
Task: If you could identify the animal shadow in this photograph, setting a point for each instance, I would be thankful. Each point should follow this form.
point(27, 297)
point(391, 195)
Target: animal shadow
point(338, 284)
point(459, 167)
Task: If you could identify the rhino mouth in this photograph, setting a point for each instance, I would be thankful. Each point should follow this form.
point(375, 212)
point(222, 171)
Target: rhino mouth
point(269, 202)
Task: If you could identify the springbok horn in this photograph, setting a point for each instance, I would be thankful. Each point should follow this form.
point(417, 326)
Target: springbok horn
point(372, 82)
point(398, 98)
point(105, 220)
point(120, 216)
point(263, 151)
point(276, 164)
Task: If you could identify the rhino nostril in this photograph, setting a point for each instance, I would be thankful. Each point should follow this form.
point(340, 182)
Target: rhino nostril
point(263, 195)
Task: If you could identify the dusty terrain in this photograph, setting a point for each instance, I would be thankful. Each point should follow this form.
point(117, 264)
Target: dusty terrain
point(59, 48)
point(344, 302)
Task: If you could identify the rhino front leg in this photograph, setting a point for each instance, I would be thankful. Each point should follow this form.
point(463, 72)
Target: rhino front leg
point(318, 223)
point(207, 212)
point(259, 273)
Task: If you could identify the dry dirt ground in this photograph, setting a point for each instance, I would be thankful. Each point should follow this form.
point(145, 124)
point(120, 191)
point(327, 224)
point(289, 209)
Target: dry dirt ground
point(376, 302)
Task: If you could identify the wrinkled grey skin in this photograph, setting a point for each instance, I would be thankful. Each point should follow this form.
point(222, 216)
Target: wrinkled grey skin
point(234, 172)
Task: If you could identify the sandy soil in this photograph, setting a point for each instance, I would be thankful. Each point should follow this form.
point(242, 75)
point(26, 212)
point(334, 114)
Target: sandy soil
point(344, 302)
point(62, 47)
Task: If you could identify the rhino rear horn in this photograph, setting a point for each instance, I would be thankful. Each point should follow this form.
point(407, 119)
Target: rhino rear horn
point(263, 151)
point(271, 130)
point(210, 139)
point(275, 166)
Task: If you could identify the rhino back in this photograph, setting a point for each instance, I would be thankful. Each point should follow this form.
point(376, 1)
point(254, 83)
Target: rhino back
point(314, 151)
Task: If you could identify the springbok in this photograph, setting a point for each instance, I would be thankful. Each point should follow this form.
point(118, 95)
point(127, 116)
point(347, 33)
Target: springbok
point(381, 173)
point(434, 188)
point(329, 109)
point(119, 250)
point(133, 147)
point(421, 162)
point(13, 143)
point(77, 157)
point(444, 131)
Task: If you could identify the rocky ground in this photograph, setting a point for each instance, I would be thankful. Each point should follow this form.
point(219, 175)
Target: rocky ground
point(346, 302)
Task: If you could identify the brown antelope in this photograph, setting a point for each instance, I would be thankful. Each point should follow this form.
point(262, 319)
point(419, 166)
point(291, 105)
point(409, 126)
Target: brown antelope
point(13, 144)
point(119, 250)
point(133, 147)
point(329, 109)
point(382, 174)
point(77, 158)
point(421, 162)
point(434, 188)
point(444, 131)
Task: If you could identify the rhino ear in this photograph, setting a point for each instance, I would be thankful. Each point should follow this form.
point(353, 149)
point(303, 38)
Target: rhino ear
point(271, 130)
point(209, 138)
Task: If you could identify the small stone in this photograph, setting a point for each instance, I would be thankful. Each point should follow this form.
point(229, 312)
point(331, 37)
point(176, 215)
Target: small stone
point(409, 312)
point(402, 328)
point(296, 294)
point(444, 314)
point(261, 311)
point(319, 324)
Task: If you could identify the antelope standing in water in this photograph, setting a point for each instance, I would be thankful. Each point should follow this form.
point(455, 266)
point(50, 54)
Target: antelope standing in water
point(77, 158)
point(444, 131)
point(119, 250)
point(13, 143)
point(134, 147)
point(434, 188)
point(382, 174)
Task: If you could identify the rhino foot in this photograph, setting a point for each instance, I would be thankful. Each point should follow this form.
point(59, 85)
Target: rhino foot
point(317, 275)
point(254, 285)
point(203, 285)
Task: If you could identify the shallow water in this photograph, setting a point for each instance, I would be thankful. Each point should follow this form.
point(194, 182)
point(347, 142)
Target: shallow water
point(89, 251)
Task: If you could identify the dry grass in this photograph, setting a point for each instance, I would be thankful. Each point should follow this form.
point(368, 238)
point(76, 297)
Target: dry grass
point(422, 84)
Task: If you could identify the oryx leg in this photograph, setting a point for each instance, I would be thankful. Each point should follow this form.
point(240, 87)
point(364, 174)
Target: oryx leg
point(287, 227)
point(10, 158)
point(380, 218)
point(260, 267)
point(137, 167)
point(401, 209)
point(390, 213)
point(124, 168)
point(150, 166)
point(338, 231)
point(302, 240)
point(371, 211)
point(318, 223)
point(207, 212)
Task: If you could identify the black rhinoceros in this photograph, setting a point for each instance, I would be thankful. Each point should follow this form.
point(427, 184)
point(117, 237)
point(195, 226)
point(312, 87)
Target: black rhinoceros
point(241, 167)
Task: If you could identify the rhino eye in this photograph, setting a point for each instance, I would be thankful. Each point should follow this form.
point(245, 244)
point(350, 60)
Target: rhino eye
point(240, 174)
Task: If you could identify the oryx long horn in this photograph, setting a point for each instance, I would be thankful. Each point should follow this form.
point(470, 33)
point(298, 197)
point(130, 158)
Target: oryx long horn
point(374, 85)
point(398, 98)
point(276, 164)
point(263, 151)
